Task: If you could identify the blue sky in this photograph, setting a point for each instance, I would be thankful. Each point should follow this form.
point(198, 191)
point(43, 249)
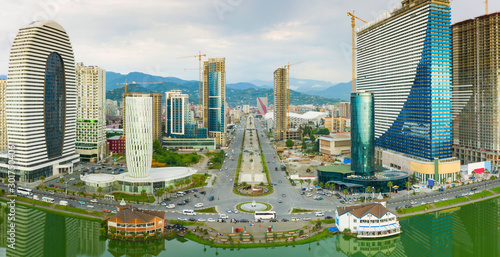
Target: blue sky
point(255, 36)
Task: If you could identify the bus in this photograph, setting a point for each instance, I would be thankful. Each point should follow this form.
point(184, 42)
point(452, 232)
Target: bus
point(265, 215)
point(24, 191)
point(48, 199)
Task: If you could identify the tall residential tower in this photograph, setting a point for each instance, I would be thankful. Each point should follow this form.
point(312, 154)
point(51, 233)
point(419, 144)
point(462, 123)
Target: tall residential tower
point(476, 65)
point(3, 117)
point(90, 114)
point(180, 122)
point(214, 99)
point(280, 119)
point(404, 58)
point(41, 102)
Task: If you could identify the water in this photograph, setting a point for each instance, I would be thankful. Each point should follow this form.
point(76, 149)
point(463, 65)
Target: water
point(471, 230)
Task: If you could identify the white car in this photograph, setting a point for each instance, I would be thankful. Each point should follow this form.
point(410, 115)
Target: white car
point(223, 216)
point(211, 220)
point(184, 219)
point(309, 195)
point(202, 220)
point(71, 179)
point(198, 205)
point(414, 203)
point(423, 203)
point(93, 201)
point(319, 214)
point(170, 206)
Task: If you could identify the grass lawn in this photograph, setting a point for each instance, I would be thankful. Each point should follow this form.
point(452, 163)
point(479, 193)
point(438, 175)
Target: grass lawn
point(496, 190)
point(268, 207)
point(187, 223)
point(133, 198)
point(415, 209)
point(481, 194)
point(26, 200)
point(296, 210)
point(207, 210)
point(73, 209)
point(451, 201)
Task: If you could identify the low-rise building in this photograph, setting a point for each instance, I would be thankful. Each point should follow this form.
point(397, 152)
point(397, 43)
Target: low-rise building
point(335, 144)
point(372, 220)
point(117, 144)
point(136, 221)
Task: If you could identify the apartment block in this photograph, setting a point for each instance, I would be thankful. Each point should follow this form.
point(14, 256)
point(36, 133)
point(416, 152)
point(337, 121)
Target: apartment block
point(214, 99)
point(476, 66)
point(280, 104)
point(3, 117)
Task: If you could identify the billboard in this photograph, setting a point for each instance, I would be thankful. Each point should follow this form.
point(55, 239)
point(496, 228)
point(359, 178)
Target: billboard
point(261, 105)
point(478, 167)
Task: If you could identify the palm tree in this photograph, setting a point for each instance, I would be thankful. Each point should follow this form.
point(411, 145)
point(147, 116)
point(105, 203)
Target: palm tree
point(345, 192)
point(389, 185)
point(459, 176)
point(171, 188)
point(474, 173)
point(327, 185)
point(122, 233)
point(332, 186)
point(61, 181)
point(79, 185)
point(159, 193)
point(369, 189)
point(145, 234)
point(187, 181)
point(143, 194)
point(177, 184)
point(321, 184)
point(99, 190)
point(42, 178)
point(315, 182)
point(301, 181)
point(408, 186)
point(308, 182)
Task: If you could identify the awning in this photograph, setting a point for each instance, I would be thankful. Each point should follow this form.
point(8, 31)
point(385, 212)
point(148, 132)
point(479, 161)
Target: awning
point(333, 229)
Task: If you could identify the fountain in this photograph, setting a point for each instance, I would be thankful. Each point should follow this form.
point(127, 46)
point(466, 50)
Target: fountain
point(254, 204)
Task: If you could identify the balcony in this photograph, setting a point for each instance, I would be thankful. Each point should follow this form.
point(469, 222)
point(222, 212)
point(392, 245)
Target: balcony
point(379, 231)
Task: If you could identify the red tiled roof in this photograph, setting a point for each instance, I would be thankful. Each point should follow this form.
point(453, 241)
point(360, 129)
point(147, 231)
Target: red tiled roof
point(376, 209)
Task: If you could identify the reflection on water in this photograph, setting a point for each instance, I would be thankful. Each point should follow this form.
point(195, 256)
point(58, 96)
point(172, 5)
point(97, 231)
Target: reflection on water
point(471, 230)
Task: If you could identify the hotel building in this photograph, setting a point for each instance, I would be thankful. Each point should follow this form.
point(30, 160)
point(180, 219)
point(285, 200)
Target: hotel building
point(404, 59)
point(90, 114)
point(476, 136)
point(41, 103)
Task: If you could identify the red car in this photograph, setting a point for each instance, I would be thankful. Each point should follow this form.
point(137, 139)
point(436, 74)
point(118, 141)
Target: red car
point(106, 210)
point(56, 187)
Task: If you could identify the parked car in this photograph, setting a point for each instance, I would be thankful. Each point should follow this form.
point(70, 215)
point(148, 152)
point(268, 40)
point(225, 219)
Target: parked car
point(328, 217)
point(82, 202)
point(203, 192)
point(170, 206)
point(114, 211)
point(319, 214)
point(306, 218)
point(211, 220)
point(71, 198)
point(106, 210)
point(93, 200)
point(198, 205)
point(211, 198)
point(285, 220)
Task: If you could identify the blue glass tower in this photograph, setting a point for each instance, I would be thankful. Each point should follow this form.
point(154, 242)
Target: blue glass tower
point(362, 133)
point(405, 60)
point(179, 121)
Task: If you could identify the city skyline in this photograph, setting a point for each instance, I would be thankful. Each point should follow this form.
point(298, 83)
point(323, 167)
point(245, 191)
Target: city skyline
point(299, 33)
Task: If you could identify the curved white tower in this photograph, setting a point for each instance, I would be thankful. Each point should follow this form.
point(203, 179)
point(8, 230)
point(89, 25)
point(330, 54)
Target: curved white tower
point(41, 101)
point(139, 134)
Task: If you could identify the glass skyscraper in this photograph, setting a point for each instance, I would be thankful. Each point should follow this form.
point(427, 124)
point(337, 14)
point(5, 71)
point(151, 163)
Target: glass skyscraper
point(362, 133)
point(180, 122)
point(404, 58)
point(214, 98)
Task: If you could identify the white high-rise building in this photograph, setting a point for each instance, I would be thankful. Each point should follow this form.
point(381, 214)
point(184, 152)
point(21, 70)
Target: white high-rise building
point(91, 119)
point(111, 108)
point(41, 102)
point(139, 131)
point(3, 119)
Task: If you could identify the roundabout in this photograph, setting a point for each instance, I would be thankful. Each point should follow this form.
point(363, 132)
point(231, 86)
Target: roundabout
point(251, 207)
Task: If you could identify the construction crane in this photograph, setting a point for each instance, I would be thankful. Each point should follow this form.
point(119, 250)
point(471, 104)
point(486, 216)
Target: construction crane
point(199, 55)
point(137, 83)
point(353, 24)
point(288, 94)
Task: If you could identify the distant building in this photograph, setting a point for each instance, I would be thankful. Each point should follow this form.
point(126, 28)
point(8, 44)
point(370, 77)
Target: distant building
point(111, 108)
point(261, 105)
point(214, 99)
point(371, 220)
point(475, 68)
point(344, 110)
point(335, 144)
point(156, 113)
point(337, 124)
point(280, 113)
point(3, 117)
point(117, 145)
point(235, 115)
point(90, 114)
point(189, 143)
point(246, 108)
point(180, 122)
point(41, 102)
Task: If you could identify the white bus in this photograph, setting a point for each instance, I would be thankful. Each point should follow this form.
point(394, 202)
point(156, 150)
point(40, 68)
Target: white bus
point(48, 199)
point(24, 191)
point(265, 215)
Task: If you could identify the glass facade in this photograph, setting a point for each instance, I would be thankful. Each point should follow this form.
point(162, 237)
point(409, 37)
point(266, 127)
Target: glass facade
point(55, 105)
point(180, 122)
point(362, 133)
point(215, 101)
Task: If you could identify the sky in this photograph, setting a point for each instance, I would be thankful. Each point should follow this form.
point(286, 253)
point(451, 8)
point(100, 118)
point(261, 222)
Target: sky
point(255, 36)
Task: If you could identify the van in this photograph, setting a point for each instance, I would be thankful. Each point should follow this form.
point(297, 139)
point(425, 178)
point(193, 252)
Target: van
point(64, 203)
point(189, 212)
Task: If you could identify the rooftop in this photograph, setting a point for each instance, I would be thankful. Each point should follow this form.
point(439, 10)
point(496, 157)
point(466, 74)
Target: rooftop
point(155, 175)
point(128, 215)
point(376, 209)
point(344, 169)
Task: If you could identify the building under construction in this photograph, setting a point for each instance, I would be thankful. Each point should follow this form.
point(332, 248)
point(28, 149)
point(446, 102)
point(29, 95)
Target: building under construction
point(157, 128)
point(214, 99)
point(280, 104)
point(476, 64)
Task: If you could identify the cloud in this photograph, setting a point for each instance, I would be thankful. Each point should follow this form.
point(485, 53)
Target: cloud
point(256, 37)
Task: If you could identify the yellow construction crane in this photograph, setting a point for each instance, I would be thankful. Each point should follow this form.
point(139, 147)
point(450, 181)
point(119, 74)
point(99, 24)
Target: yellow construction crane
point(137, 83)
point(353, 24)
point(199, 55)
point(288, 94)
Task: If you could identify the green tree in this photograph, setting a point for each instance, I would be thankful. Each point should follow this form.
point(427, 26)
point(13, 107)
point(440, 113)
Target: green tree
point(304, 146)
point(145, 234)
point(459, 176)
point(332, 186)
point(159, 193)
point(313, 138)
point(389, 185)
point(61, 181)
point(42, 178)
point(316, 146)
point(289, 143)
point(79, 185)
point(308, 182)
point(122, 233)
point(345, 192)
point(144, 194)
point(187, 181)
point(301, 181)
point(321, 184)
point(157, 146)
point(99, 190)
point(315, 182)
